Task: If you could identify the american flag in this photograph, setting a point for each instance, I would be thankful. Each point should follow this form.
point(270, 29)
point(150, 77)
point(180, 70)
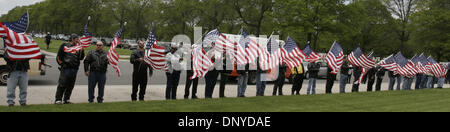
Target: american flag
point(358, 58)
point(291, 54)
point(311, 55)
point(270, 58)
point(389, 63)
point(201, 63)
point(154, 54)
point(220, 41)
point(335, 58)
point(435, 68)
point(252, 48)
point(447, 67)
point(421, 64)
point(19, 46)
point(113, 56)
point(20, 26)
point(404, 67)
point(84, 42)
point(415, 60)
point(211, 37)
point(237, 51)
point(226, 43)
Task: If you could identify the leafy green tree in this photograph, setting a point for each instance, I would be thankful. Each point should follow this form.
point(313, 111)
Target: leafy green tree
point(431, 29)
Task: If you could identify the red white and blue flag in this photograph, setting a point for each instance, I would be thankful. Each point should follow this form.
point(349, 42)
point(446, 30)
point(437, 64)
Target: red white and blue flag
point(155, 54)
point(335, 58)
point(226, 43)
point(84, 41)
point(447, 67)
point(422, 61)
point(358, 58)
point(200, 63)
point(389, 63)
point(311, 56)
point(20, 26)
point(270, 58)
point(291, 54)
point(19, 46)
point(404, 67)
point(252, 48)
point(435, 68)
point(113, 56)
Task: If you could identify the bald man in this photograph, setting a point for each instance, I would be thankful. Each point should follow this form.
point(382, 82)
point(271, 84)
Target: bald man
point(95, 67)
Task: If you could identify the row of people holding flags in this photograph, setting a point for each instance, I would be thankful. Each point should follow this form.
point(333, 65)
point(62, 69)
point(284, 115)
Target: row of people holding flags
point(243, 51)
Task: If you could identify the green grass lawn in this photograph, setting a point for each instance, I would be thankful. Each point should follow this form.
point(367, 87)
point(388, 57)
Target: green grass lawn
point(421, 100)
point(55, 44)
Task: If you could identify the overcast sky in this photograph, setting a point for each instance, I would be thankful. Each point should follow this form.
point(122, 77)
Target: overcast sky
point(6, 5)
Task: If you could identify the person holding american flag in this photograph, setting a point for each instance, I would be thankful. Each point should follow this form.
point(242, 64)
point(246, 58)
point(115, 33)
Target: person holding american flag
point(69, 63)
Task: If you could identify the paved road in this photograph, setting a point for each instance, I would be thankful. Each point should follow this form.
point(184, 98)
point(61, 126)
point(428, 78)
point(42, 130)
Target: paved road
point(52, 75)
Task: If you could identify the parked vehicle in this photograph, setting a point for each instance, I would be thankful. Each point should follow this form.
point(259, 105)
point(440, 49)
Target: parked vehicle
point(132, 45)
point(106, 41)
point(94, 40)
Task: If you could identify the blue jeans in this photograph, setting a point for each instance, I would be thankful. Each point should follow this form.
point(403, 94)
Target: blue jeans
point(430, 82)
point(423, 82)
point(342, 83)
point(21, 78)
point(311, 84)
point(242, 84)
point(260, 84)
point(94, 79)
point(407, 83)
point(441, 82)
point(418, 81)
point(399, 79)
point(391, 83)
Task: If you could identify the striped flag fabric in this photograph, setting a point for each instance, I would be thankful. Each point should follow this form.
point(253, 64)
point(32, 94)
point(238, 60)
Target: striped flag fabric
point(446, 68)
point(226, 43)
point(404, 67)
point(211, 37)
point(311, 56)
point(84, 41)
point(421, 64)
point(291, 54)
point(335, 58)
point(358, 58)
point(435, 68)
point(270, 58)
point(154, 54)
point(237, 52)
point(201, 63)
point(389, 63)
point(252, 48)
point(113, 56)
point(415, 60)
point(19, 46)
point(20, 26)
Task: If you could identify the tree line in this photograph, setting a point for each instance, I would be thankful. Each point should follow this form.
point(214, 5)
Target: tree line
point(384, 26)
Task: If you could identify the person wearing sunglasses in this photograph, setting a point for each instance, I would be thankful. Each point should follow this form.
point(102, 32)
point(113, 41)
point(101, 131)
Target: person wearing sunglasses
point(95, 67)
